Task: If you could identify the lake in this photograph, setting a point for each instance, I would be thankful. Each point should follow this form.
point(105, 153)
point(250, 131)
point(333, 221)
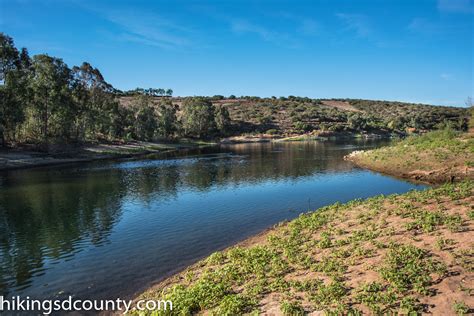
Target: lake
point(110, 229)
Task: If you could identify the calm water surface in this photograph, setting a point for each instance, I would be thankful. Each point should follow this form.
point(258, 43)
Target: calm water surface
point(108, 230)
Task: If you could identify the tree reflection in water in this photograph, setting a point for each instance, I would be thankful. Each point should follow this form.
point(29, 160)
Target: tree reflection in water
point(47, 216)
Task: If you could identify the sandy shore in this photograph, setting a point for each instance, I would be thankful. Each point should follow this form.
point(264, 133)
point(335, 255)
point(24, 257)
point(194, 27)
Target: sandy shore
point(317, 135)
point(19, 159)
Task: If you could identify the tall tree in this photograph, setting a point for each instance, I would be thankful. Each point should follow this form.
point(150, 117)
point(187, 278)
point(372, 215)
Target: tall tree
point(222, 119)
point(51, 99)
point(167, 123)
point(13, 72)
point(96, 102)
point(9, 58)
point(198, 117)
point(25, 60)
point(145, 118)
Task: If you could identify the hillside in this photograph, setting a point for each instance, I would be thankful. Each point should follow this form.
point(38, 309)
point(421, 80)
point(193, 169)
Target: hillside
point(47, 103)
point(295, 115)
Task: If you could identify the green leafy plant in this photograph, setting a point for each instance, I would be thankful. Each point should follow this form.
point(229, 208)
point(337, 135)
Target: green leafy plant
point(291, 308)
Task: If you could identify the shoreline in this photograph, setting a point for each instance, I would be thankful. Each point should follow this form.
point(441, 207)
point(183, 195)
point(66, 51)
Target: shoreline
point(18, 158)
point(452, 160)
point(433, 178)
point(172, 276)
point(254, 239)
point(163, 288)
point(319, 136)
point(453, 228)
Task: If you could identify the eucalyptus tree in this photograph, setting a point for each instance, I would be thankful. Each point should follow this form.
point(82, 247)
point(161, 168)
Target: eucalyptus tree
point(13, 88)
point(198, 117)
point(222, 119)
point(25, 60)
point(96, 102)
point(51, 99)
point(167, 122)
point(145, 118)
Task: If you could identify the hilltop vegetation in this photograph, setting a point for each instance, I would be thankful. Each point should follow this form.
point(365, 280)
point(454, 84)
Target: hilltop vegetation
point(294, 115)
point(438, 156)
point(44, 102)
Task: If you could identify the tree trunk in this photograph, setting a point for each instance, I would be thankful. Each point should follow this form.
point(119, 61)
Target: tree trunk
point(45, 144)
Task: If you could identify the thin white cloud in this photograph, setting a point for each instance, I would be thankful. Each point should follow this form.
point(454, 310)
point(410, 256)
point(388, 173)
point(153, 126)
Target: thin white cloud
point(304, 24)
point(422, 25)
point(356, 22)
point(241, 26)
point(433, 27)
point(456, 6)
point(144, 27)
point(310, 26)
point(363, 29)
point(446, 76)
point(149, 29)
point(128, 37)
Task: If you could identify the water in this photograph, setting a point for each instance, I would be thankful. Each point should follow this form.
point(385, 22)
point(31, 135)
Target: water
point(110, 229)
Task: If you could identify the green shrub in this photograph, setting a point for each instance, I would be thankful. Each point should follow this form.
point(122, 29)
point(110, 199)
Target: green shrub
point(407, 267)
point(292, 309)
point(234, 304)
point(460, 308)
point(272, 131)
point(375, 296)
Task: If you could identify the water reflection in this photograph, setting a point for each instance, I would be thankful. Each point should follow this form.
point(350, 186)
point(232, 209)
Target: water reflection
point(73, 229)
point(50, 215)
point(230, 164)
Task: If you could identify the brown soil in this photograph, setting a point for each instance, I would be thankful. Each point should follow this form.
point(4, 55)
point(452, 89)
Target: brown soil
point(445, 174)
point(450, 173)
point(343, 105)
point(447, 163)
point(20, 159)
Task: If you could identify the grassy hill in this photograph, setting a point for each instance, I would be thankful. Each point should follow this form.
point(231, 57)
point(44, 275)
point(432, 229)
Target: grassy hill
point(295, 115)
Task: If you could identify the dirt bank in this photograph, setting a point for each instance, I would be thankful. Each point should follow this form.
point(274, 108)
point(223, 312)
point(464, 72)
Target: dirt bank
point(436, 157)
point(22, 158)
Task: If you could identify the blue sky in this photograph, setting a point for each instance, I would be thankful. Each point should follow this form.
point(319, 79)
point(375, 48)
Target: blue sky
point(407, 50)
